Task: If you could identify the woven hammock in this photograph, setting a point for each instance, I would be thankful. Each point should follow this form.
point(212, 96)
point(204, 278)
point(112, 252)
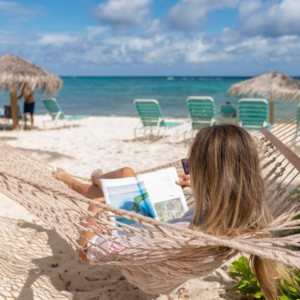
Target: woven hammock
point(162, 256)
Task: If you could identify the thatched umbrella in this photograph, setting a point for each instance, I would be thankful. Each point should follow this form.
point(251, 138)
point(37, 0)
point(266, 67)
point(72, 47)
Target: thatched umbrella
point(15, 72)
point(271, 85)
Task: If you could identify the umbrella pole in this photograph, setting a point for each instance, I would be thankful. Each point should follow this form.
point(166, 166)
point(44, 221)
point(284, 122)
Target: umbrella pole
point(271, 109)
point(14, 110)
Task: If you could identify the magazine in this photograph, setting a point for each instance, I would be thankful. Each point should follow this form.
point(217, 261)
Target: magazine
point(154, 195)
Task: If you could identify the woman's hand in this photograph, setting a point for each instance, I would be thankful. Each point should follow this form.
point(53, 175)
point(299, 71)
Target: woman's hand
point(184, 180)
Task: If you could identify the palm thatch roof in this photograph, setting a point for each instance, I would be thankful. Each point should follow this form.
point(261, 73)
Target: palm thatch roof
point(15, 72)
point(271, 84)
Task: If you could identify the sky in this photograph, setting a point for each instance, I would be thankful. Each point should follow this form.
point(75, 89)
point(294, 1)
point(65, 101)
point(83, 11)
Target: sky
point(154, 37)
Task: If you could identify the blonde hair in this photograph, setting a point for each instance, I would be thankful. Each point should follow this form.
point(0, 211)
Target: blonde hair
point(230, 194)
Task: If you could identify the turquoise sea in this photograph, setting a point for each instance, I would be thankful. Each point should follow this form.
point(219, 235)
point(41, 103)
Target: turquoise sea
point(113, 96)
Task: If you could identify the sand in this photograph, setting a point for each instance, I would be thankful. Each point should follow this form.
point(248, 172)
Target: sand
point(38, 263)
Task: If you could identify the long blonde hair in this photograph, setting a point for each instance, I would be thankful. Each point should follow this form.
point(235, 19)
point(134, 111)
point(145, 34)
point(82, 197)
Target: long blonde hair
point(230, 194)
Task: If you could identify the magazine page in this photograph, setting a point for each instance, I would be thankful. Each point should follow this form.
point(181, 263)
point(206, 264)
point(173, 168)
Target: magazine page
point(124, 194)
point(163, 198)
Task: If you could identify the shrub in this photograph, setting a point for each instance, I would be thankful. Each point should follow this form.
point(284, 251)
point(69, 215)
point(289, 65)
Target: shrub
point(249, 284)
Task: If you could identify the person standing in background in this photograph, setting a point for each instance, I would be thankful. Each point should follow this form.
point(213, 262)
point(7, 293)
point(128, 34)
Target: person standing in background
point(28, 95)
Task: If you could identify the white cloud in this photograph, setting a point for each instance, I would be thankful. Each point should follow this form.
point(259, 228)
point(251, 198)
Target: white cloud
point(269, 19)
point(55, 39)
point(123, 13)
point(158, 50)
point(190, 14)
point(287, 38)
point(14, 8)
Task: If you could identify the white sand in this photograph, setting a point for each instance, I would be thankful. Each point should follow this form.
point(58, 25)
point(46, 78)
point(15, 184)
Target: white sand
point(41, 265)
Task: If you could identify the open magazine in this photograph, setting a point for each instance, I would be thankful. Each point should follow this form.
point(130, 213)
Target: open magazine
point(153, 195)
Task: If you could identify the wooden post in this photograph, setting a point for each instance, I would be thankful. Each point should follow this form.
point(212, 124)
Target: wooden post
point(271, 109)
point(14, 110)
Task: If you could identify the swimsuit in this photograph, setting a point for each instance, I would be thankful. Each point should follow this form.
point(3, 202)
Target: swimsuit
point(29, 108)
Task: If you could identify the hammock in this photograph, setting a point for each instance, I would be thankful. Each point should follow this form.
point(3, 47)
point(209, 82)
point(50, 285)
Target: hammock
point(163, 256)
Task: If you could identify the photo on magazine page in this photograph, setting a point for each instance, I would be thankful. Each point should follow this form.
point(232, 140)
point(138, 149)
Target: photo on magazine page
point(128, 197)
point(169, 209)
point(146, 199)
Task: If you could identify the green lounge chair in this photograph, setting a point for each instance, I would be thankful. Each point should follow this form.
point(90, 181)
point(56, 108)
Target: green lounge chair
point(227, 111)
point(253, 113)
point(57, 115)
point(202, 112)
point(151, 116)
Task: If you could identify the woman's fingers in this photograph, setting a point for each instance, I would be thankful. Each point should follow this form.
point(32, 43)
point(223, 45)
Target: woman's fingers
point(184, 180)
point(182, 175)
point(182, 183)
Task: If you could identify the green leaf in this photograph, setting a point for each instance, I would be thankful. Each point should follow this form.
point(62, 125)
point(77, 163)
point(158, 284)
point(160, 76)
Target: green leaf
point(283, 297)
point(255, 285)
point(258, 295)
point(294, 290)
point(232, 268)
point(242, 283)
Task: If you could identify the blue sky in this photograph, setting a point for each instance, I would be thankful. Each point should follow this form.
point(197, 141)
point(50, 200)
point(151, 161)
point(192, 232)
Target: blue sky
point(154, 37)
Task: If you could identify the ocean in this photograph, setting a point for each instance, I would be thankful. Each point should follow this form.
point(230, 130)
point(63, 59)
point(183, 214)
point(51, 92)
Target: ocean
point(113, 96)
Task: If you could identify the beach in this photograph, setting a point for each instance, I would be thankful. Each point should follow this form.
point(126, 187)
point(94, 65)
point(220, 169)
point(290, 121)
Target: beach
point(39, 264)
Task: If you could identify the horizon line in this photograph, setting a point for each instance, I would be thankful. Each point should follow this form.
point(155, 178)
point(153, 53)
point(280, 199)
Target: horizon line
point(167, 76)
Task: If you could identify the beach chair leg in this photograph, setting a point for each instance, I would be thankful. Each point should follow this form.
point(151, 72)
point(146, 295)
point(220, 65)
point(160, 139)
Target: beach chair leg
point(5, 124)
point(135, 129)
point(172, 134)
point(89, 123)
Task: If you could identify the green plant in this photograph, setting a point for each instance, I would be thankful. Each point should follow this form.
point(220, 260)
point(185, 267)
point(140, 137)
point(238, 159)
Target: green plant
point(288, 291)
point(249, 284)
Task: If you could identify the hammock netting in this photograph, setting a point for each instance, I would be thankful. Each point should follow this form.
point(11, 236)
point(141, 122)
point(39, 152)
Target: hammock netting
point(171, 254)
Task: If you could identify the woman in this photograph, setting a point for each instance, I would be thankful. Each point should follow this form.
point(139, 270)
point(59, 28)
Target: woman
point(229, 192)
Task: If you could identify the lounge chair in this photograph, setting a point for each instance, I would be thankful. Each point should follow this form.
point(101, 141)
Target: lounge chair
point(202, 112)
point(227, 111)
point(151, 117)
point(253, 113)
point(5, 115)
point(57, 115)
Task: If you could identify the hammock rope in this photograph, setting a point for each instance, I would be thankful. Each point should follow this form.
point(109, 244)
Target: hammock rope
point(168, 253)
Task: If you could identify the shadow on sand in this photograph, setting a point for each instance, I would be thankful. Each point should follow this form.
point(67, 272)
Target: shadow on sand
point(46, 155)
point(39, 264)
